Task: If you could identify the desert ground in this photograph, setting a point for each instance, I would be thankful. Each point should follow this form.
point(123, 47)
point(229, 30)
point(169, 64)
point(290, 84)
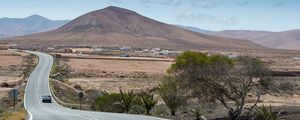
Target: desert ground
point(116, 72)
point(15, 66)
point(94, 73)
point(109, 73)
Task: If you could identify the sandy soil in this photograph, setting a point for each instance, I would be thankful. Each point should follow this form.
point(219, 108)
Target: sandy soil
point(9, 79)
point(98, 66)
point(11, 72)
point(9, 58)
point(11, 66)
point(113, 84)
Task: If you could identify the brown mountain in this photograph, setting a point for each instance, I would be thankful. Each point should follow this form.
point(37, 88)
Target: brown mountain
point(280, 40)
point(113, 26)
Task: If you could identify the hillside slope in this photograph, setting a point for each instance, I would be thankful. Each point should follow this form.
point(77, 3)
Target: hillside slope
point(113, 26)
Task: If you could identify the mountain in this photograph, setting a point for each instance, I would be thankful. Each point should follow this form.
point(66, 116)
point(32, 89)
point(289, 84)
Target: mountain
point(114, 26)
point(279, 40)
point(195, 29)
point(10, 27)
point(289, 40)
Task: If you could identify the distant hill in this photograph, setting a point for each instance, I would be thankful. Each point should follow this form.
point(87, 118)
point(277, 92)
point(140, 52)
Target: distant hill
point(114, 26)
point(289, 40)
point(10, 27)
point(279, 40)
point(195, 29)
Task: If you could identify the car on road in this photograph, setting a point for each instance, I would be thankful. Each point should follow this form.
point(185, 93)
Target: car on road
point(46, 99)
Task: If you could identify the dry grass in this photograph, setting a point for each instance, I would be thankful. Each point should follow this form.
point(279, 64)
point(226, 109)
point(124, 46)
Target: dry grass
point(13, 65)
point(11, 68)
point(109, 75)
point(113, 84)
point(98, 66)
point(17, 115)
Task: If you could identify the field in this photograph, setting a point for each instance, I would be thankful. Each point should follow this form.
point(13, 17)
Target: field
point(110, 72)
point(14, 69)
point(11, 66)
point(94, 73)
point(110, 75)
point(121, 67)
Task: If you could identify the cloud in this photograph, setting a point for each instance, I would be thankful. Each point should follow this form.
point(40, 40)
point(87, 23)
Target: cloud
point(195, 17)
point(115, 1)
point(193, 3)
point(205, 3)
point(172, 2)
point(278, 4)
point(242, 3)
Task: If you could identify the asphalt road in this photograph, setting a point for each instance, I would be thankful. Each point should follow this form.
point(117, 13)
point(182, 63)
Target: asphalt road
point(38, 85)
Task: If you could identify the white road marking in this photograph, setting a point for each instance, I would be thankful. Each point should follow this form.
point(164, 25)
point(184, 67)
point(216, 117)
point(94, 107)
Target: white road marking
point(89, 118)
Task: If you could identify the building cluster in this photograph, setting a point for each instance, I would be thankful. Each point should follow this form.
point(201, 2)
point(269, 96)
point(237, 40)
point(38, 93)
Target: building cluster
point(115, 51)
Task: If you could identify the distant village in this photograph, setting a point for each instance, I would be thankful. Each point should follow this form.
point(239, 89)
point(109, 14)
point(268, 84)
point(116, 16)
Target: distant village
point(120, 51)
point(115, 51)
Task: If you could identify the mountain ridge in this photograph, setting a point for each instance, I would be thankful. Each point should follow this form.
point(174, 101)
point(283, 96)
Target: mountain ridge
point(11, 27)
point(114, 26)
point(289, 39)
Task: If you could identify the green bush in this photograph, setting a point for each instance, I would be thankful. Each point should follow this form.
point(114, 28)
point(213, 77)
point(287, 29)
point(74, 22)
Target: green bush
point(266, 83)
point(265, 113)
point(173, 96)
point(148, 101)
point(127, 99)
point(137, 109)
point(106, 102)
point(117, 102)
point(160, 110)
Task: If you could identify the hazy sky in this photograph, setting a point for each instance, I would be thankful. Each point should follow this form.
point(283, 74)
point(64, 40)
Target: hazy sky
point(272, 15)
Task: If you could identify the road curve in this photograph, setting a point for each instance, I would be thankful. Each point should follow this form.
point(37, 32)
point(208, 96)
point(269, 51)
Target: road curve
point(38, 85)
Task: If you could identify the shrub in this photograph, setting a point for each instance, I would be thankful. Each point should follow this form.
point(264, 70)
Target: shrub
point(266, 83)
point(197, 113)
point(286, 86)
point(127, 99)
point(148, 101)
point(116, 102)
point(160, 110)
point(137, 109)
point(265, 113)
point(172, 94)
point(106, 101)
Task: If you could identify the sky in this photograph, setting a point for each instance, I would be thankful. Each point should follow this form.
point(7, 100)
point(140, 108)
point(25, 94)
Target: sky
point(267, 15)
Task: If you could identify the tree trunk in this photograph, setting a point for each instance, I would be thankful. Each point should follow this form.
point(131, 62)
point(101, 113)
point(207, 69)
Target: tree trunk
point(173, 112)
point(148, 112)
point(233, 115)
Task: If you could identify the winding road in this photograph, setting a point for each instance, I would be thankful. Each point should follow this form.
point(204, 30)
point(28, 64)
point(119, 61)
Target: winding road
point(38, 85)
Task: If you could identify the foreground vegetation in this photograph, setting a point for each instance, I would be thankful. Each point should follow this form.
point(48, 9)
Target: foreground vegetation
point(195, 87)
point(14, 115)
